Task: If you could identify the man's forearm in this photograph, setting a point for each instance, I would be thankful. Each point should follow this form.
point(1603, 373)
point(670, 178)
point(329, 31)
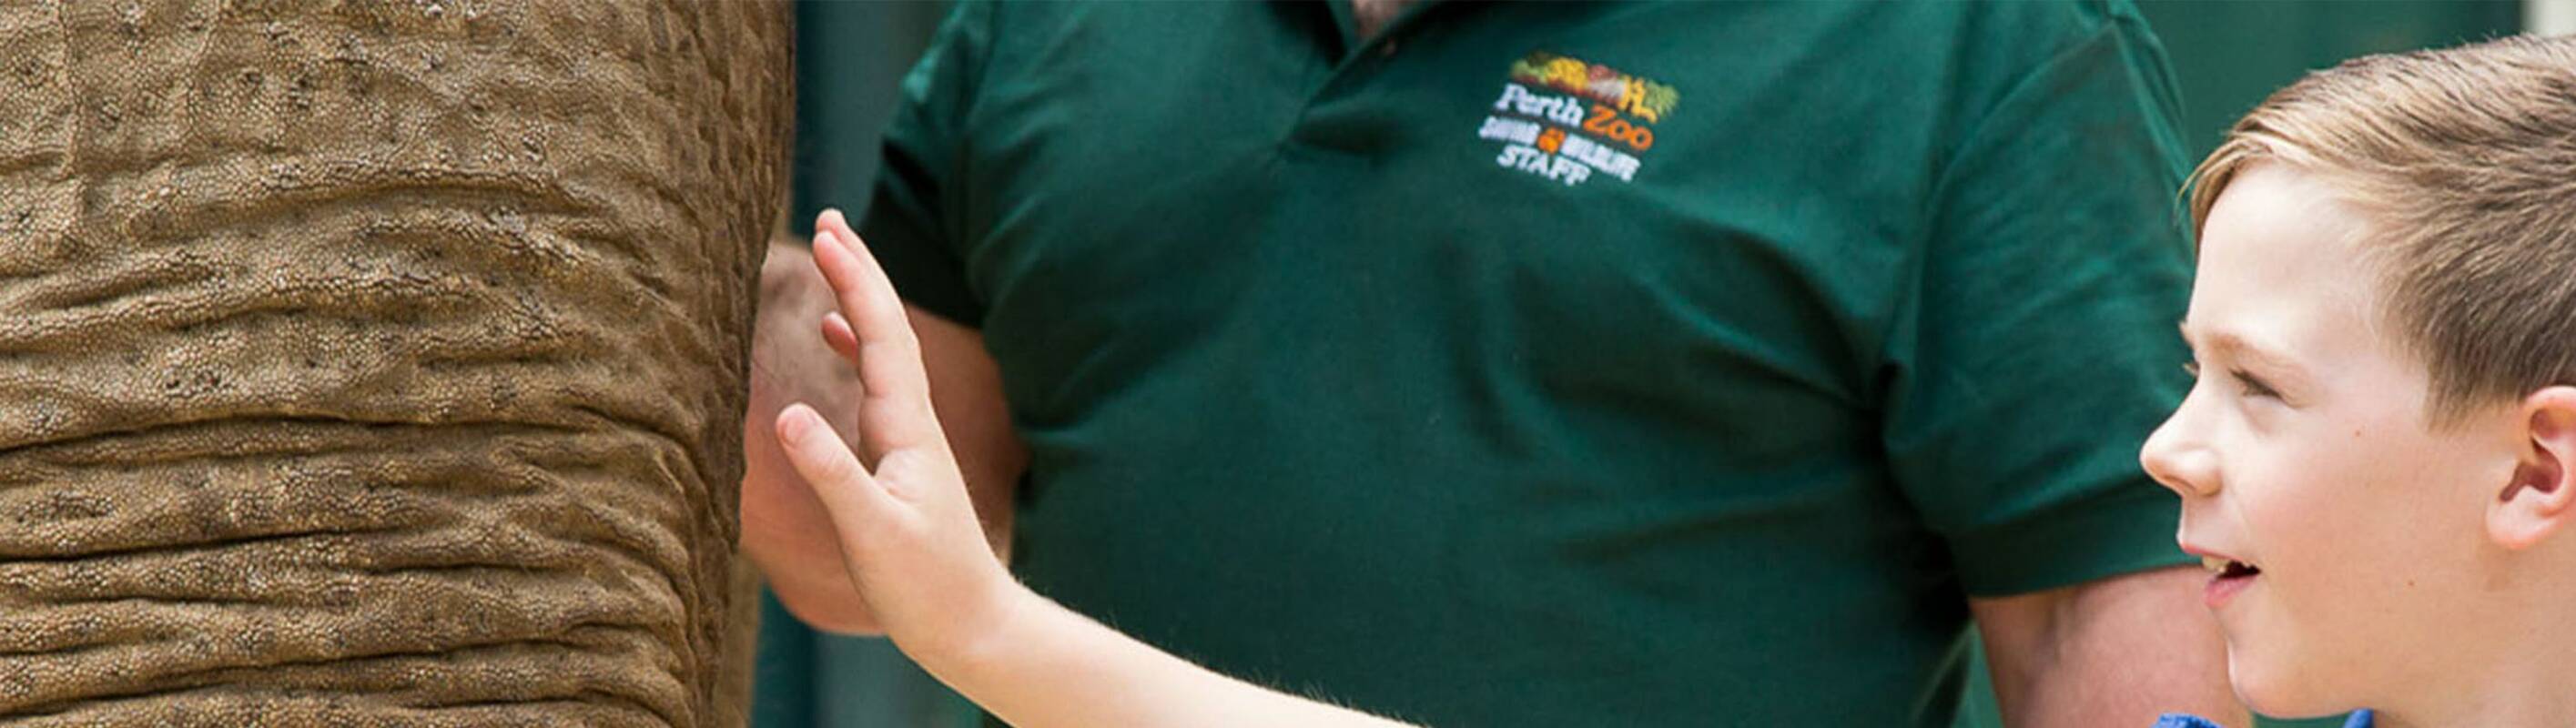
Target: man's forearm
point(2114, 652)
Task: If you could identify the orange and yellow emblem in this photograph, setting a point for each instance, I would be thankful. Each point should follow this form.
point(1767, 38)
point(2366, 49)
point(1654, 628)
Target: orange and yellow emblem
point(1564, 119)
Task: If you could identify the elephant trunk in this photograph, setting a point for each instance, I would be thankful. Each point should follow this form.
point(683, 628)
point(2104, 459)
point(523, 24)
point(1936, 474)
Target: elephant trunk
point(379, 362)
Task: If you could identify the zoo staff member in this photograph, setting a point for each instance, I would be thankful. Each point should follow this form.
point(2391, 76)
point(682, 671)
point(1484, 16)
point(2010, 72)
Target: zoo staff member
point(1544, 365)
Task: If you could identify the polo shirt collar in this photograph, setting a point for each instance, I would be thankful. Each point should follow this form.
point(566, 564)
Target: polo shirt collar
point(1346, 23)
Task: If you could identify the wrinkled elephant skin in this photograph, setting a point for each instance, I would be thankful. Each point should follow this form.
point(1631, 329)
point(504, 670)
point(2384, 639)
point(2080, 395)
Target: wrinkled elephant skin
point(379, 363)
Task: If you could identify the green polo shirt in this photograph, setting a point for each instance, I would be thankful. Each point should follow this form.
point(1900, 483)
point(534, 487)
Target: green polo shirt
point(1560, 365)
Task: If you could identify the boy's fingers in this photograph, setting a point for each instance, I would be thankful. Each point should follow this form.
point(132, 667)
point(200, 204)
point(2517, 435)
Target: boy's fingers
point(836, 333)
point(831, 221)
point(850, 496)
point(894, 409)
point(874, 392)
point(867, 299)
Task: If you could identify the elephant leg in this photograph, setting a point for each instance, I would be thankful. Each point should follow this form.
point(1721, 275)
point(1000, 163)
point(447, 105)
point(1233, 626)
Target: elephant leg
point(379, 363)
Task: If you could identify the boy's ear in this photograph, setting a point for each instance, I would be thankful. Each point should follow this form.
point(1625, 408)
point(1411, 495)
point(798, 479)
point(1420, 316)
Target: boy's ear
point(2541, 496)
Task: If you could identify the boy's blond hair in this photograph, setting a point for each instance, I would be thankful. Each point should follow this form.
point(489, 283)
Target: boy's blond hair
point(2465, 160)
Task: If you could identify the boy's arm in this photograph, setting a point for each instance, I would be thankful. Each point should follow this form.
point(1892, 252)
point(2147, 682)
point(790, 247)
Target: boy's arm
point(2115, 651)
point(899, 511)
point(1047, 666)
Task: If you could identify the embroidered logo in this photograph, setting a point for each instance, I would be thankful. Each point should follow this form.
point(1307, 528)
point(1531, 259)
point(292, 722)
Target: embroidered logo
point(1566, 120)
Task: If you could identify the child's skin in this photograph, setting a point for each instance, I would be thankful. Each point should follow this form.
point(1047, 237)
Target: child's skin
point(914, 550)
point(2406, 564)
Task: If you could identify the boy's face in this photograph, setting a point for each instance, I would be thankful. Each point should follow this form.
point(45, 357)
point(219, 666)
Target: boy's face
point(2304, 455)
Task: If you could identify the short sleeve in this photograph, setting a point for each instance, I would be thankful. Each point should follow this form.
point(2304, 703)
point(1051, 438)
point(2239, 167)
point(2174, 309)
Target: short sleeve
point(2039, 348)
point(914, 221)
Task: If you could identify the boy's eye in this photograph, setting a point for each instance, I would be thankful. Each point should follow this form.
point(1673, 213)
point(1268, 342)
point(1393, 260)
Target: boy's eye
point(2253, 386)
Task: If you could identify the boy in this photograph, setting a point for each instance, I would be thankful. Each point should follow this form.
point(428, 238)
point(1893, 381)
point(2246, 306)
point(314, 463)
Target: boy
point(2380, 448)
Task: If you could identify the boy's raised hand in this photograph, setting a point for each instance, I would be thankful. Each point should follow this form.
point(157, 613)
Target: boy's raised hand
point(907, 533)
point(910, 540)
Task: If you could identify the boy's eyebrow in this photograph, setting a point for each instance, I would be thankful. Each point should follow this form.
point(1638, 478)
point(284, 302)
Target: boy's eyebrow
point(2239, 347)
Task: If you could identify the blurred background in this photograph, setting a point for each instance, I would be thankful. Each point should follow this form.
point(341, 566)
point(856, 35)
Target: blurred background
point(2226, 54)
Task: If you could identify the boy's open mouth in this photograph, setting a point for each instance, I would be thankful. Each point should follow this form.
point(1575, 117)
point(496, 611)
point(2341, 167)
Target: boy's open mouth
point(2226, 568)
point(2226, 578)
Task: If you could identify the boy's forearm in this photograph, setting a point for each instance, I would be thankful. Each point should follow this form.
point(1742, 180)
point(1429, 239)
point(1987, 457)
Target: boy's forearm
point(1043, 666)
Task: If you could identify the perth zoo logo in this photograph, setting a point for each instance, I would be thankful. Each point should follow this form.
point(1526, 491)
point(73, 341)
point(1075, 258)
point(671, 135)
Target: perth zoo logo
point(1566, 120)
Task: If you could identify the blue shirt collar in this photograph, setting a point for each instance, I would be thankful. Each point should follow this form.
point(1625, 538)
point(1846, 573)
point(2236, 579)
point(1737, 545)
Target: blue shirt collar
point(2359, 719)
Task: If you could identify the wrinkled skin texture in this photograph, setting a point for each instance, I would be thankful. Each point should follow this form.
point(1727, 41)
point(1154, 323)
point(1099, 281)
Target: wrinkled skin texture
point(379, 363)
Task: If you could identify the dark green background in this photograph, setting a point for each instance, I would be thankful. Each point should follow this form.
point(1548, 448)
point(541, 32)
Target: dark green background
point(2227, 54)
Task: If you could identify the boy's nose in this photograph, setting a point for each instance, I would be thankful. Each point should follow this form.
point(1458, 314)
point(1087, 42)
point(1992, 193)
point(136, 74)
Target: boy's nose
point(2179, 461)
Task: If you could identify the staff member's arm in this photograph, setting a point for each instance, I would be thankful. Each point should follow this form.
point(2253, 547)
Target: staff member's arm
point(2132, 645)
point(784, 530)
point(910, 542)
point(2032, 361)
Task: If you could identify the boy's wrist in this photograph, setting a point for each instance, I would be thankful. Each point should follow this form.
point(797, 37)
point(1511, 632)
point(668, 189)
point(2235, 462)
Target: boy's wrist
point(987, 634)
